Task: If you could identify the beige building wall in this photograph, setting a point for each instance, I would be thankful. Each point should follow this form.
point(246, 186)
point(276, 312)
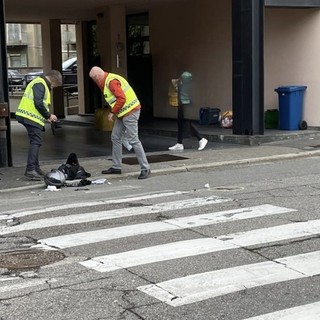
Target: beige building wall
point(199, 39)
point(292, 47)
point(111, 29)
point(195, 36)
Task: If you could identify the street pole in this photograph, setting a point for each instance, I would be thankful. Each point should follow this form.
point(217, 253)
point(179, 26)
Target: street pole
point(5, 126)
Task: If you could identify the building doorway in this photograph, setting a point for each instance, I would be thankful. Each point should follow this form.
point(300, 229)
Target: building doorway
point(139, 62)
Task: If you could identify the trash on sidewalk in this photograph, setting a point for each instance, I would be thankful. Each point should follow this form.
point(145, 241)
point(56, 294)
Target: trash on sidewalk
point(81, 183)
point(12, 222)
point(71, 170)
point(227, 119)
point(52, 188)
point(86, 182)
point(101, 181)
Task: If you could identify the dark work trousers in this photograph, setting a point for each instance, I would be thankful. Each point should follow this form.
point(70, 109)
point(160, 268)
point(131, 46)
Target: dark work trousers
point(35, 142)
point(181, 124)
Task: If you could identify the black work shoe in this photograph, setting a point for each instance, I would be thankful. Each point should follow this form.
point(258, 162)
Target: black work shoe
point(42, 173)
point(144, 174)
point(33, 175)
point(111, 171)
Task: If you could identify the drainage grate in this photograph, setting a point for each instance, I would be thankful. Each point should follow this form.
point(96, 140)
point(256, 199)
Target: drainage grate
point(26, 259)
point(154, 158)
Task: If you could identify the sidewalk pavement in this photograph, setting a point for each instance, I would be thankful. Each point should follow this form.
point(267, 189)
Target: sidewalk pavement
point(12, 178)
point(93, 148)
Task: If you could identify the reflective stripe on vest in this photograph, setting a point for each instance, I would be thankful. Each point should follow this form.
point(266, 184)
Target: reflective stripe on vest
point(27, 108)
point(131, 98)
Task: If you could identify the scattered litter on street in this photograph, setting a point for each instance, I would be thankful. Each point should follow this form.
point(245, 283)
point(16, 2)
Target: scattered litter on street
point(52, 188)
point(12, 222)
point(100, 181)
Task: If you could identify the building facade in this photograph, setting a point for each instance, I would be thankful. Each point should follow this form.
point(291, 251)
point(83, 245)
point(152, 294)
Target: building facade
point(279, 48)
point(24, 45)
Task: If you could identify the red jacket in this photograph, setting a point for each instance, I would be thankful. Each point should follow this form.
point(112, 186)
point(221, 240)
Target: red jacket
point(115, 88)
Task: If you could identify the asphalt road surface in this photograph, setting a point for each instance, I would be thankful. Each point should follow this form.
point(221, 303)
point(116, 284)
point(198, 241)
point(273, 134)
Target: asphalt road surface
point(234, 243)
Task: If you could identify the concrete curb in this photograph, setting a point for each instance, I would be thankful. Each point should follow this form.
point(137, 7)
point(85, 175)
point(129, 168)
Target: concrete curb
point(238, 162)
point(191, 167)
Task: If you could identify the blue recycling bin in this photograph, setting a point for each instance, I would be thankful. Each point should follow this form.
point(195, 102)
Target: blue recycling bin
point(290, 106)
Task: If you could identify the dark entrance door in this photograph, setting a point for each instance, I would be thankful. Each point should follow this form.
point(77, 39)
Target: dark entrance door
point(140, 62)
point(91, 58)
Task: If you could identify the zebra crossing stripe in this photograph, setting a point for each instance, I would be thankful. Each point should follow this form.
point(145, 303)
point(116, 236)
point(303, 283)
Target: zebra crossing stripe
point(8, 279)
point(24, 213)
point(307, 312)
point(165, 252)
point(198, 287)
point(113, 214)
point(84, 238)
point(195, 247)
point(26, 284)
point(273, 234)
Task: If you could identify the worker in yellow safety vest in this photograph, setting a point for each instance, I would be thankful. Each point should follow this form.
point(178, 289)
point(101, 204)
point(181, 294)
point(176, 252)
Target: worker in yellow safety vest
point(125, 108)
point(33, 112)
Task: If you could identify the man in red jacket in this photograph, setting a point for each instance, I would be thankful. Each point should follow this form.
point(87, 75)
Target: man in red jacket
point(125, 107)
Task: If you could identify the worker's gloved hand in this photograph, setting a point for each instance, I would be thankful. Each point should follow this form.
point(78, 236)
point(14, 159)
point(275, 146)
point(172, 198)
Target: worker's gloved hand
point(55, 125)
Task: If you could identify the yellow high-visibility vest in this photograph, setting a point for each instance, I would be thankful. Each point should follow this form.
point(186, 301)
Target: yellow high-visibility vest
point(27, 107)
point(131, 98)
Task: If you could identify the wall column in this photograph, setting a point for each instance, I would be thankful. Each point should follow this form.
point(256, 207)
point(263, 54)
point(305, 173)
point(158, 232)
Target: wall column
point(248, 75)
point(52, 59)
point(82, 68)
point(111, 26)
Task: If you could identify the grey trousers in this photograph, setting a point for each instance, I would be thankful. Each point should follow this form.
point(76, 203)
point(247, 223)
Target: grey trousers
point(128, 124)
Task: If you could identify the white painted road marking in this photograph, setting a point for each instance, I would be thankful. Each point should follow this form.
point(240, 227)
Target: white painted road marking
point(198, 287)
point(84, 238)
point(307, 312)
point(273, 234)
point(164, 252)
point(26, 284)
point(195, 247)
point(24, 213)
point(113, 214)
point(8, 279)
